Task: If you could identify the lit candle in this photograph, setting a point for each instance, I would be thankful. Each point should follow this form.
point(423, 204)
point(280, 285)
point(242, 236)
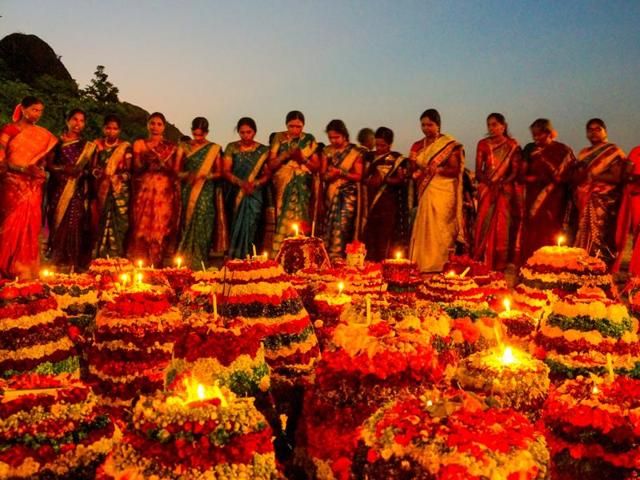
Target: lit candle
point(178, 261)
point(46, 273)
point(595, 390)
point(507, 357)
point(561, 240)
point(140, 264)
point(340, 288)
point(507, 305)
point(296, 229)
point(265, 256)
point(139, 278)
point(451, 274)
point(124, 278)
point(398, 255)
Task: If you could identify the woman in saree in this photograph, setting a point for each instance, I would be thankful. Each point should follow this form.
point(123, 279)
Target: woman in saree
point(24, 147)
point(245, 169)
point(546, 170)
point(155, 207)
point(110, 174)
point(342, 172)
point(497, 164)
point(598, 192)
point(385, 223)
point(68, 195)
point(199, 164)
point(628, 221)
point(438, 163)
point(293, 162)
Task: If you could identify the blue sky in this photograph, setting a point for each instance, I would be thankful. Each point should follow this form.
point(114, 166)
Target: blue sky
point(370, 63)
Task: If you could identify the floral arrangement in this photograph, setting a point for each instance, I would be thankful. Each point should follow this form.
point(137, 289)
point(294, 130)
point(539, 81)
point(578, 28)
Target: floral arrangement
point(451, 435)
point(174, 437)
point(595, 421)
point(51, 426)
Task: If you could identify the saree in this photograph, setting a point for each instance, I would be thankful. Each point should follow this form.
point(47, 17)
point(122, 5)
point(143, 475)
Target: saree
point(547, 200)
point(629, 217)
point(438, 222)
point(292, 184)
point(68, 206)
point(201, 211)
point(246, 210)
point(495, 229)
point(597, 201)
point(342, 203)
point(385, 222)
point(21, 201)
point(110, 200)
point(155, 207)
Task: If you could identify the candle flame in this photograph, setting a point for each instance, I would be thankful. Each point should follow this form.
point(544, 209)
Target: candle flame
point(139, 277)
point(140, 264)
point(507, 305)
point(178, 261)
point(340, 288)
point(507, 356)
point(46, 273)
point(398, 255)
point(561, 240)
point(451, 274)
point(195, 391)
point(125, 278)
point(296, 229)
point(595, 390)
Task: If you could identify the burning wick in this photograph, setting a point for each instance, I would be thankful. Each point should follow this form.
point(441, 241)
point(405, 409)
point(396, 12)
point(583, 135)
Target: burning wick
point(561, 240)
point(265, 256)
point(139, 278)
point(507, 305)
point(140, 264)
point(451, 274)
point(398, 255)
point(125, 279)
point(179, 262)
point(340, 288)
point(507, 357)
point(296, 229)
point(595, 390)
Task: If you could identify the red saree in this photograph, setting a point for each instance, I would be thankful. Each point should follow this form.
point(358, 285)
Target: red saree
point(629, 218)
point(496, 168)
point(548, 170)
point(21, 201)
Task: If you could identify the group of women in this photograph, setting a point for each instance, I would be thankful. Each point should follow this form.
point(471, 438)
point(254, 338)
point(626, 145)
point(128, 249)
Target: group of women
point(153, 199)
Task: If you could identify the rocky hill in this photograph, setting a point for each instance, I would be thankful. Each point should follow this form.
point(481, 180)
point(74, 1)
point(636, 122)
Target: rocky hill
point(29, 66)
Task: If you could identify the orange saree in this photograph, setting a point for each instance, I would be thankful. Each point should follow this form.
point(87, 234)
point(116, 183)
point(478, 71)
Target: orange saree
point(21, 200)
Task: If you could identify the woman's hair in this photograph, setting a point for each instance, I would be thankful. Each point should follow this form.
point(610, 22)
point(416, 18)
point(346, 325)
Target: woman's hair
point(597, 121)
point(385, 134)
point(294, 115)
point(498, 117)
point(157, 115)
point(338, 126)
point(73, 112)
point(543, 124)
point(200, 123)
point(364, 134)
point(112, 118)
point(433, 115)
point(247, 121)
point(30, 100)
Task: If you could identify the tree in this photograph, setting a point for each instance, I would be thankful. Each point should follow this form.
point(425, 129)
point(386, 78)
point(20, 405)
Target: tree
point(100, 89)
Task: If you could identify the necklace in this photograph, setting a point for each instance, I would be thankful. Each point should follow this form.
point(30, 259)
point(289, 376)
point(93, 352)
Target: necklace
point(107, 144)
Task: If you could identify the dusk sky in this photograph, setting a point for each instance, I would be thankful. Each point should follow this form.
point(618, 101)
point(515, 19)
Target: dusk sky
point(370, 63)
